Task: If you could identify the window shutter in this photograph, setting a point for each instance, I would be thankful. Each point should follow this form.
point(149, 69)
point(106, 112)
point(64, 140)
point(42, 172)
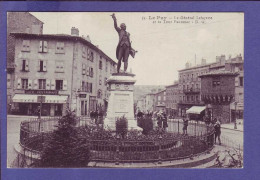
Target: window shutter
point(40, 46)
point(26, 65)
point(28, 45)
point(86, 87)
point(57, 66)
point(57, 47)
point(236, 82)
point(29, 84)
point(45, 46)
point(64, 85)
point(19, 83)
point(39, 65)
point(48, 84)
point(53, 84)
point(22, 65)
point(88, 54)
point(24, 45)
point(62, 47)
point(83, 69)
point(62, 66)
point(35, 84)
point(44, 65)
point(87, 71)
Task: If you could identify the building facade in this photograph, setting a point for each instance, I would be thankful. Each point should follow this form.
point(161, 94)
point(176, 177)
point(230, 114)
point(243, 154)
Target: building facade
point(218, 92)
point(190, 86)
point(160, 100)
point(172, 98)
point(67, 70)
point(190, 82)
point(17, 22)
point(236, 65)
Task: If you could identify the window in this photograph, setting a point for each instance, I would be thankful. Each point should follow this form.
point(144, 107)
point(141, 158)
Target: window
point(43, 47)
point(215, 83)
point(59, 66)
point(241, 81)
point(83, 69)
point(42, 83)
point(26, 46)
point(188, 98)
point(25, 65)
point(60, 48)
point(100, 80)
point(84, 52)
point(100, 64)
point(99, 95)
point(91, 56)
point(42, 66)
point(59, 85)
point(105, 81)
point(197, 98)
point(106, 65)
point(91, 73)
point(24, 83)
point(90, 87)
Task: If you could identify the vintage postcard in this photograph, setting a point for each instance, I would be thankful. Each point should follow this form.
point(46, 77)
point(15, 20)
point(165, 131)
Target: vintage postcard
point(125, 90)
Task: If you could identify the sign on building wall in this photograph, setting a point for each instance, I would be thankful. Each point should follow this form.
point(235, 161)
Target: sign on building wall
point(49, 92)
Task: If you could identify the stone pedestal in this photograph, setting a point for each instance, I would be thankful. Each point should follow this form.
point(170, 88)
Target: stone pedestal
point(121, 100)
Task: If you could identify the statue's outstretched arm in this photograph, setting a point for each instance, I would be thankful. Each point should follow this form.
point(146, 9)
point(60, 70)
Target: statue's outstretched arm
point(115, 23)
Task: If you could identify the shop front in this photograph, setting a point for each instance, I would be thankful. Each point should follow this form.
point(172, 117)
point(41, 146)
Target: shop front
point(196, 113)
point(51, 105)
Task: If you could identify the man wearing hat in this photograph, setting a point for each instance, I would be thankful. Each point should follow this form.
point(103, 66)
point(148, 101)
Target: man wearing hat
point(124, 45)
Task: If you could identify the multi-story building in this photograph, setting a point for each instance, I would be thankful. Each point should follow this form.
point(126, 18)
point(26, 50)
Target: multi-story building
point(189, 86)
point(237, 65)
point(67, 70)
point(140, 104)
point(190, 82)
point(160, 100)
point(172, 95)
point(218, 92)
point(18, 22)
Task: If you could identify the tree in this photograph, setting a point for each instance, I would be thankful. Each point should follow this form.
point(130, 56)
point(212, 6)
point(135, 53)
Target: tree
point(65, 147)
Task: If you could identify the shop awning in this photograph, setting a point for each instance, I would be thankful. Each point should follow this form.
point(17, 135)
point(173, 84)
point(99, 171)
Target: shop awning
point(195, 109)
point(31, 98)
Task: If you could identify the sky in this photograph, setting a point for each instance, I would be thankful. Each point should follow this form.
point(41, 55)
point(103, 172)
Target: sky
point(164, 41)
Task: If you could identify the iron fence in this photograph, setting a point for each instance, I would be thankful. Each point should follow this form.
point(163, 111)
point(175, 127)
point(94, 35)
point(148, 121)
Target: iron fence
point(200, 138)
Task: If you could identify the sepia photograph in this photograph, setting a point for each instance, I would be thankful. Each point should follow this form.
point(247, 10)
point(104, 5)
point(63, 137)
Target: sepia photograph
point(125, 90)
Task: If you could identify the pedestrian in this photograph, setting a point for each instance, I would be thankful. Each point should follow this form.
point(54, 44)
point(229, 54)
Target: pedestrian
point(38, 111)
point(159, 118)
point(217, 128)
point(165, 124)
point(185, 126)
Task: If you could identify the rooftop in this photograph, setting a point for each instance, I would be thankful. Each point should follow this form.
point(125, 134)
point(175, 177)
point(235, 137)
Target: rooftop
point(219, 73)
point(63, 37)
point(173, 85)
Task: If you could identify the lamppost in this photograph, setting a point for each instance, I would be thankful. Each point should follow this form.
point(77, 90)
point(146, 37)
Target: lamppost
point(235, 122)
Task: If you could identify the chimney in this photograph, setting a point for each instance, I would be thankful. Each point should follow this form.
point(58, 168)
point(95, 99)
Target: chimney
point(187, 65)
point(222, 59)
point(218, 58)
point(203, 61)
point(74, 31)
point(88, 38)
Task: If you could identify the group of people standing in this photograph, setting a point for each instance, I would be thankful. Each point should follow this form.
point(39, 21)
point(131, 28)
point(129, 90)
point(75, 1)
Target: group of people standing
point(97, 116)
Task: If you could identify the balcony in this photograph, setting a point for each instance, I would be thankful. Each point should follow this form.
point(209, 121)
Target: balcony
point(191, 102)
point(192, 91)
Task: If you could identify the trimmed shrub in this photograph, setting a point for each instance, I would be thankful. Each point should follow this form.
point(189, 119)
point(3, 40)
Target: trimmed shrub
point(121, 126)
point(147, 124)
point(65, 147)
